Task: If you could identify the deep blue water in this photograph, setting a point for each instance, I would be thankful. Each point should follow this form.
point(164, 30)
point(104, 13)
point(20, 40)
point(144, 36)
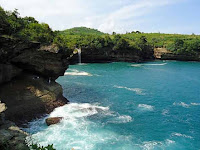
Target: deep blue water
point(127, 106)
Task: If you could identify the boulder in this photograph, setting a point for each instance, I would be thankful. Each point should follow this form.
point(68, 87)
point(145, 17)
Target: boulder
point(53, 120)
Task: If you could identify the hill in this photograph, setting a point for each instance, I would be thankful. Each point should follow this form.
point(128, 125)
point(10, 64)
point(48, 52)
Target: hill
point(81, 31)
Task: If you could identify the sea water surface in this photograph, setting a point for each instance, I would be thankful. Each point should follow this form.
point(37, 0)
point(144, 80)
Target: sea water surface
point(126, 106)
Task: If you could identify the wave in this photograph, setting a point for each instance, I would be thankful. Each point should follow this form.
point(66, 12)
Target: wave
point(74, 72)
point(156, 64)
point(181, 104)
point(185, 105)
point(78, 130)
point(146, 107)
point(136, 90)
point(156, 144)
point(195, 104)
point(165, 112)
point(75, 110)
point(121, 119)
point(181, 135)
point(136, 65)
point(139, 65)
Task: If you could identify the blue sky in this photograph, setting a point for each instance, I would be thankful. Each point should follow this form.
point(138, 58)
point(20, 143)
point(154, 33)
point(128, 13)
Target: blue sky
point(165, 16)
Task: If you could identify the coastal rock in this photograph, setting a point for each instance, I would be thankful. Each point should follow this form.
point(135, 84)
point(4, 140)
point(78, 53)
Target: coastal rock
point(8, 71)
point(109, 55)
point(30, 96)
point(2, 115)
point(53, 120)
point(11, 137)
point(164, 54)
point(44, 63)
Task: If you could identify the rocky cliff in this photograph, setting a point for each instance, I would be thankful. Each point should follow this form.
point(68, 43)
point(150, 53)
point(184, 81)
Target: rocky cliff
point(109, 55)
point(27, 86)
point(164, 54)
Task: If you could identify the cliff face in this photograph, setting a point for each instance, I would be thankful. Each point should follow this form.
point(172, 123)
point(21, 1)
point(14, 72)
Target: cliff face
point(109, 55)
point(27, 87)
point(164, 54)
point(27, 79)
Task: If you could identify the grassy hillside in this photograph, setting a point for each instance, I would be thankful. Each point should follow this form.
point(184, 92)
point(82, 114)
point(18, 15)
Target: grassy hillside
point(81, 31)
point(160, 39)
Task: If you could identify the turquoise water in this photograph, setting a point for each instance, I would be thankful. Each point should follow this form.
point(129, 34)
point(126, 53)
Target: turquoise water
point(127, 106)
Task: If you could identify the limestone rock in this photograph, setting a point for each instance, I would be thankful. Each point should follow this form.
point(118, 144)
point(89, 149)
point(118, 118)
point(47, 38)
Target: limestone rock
point(53, 120)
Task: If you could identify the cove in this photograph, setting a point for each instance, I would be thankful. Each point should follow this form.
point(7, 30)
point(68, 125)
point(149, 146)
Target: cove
point(126, 106)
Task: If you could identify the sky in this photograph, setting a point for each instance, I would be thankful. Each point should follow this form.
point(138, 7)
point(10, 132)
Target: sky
point(121, 16)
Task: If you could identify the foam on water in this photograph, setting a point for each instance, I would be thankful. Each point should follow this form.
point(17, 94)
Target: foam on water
point(181, 104)
point(146, 107)
point(150, 145)
point(74, 72)
point(76, 130)
point(136, 90)
point(195, 104)
point(156, 64)
point(181, 135)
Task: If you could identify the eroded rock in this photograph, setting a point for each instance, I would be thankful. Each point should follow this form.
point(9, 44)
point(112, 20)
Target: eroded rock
point(53, 120)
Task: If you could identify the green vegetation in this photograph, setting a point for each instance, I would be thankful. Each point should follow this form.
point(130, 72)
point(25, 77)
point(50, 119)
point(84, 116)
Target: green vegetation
point(177, 43)
point(37, 147)
point(81, 31)
point(92, 40)
point(26, 28)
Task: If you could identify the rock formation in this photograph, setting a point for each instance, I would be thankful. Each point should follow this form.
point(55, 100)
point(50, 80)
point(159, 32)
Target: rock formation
point(27, 87)
point(53, 120)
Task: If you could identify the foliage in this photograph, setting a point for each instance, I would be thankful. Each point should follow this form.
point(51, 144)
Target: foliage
point(37, 147)
point(26, 28)
point(81, 31)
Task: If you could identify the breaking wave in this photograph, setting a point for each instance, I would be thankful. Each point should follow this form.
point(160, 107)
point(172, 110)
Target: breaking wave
point(146, 107)
point(74, 72)
point(182, 135)
point(185, 105)
point(77, 128)
point(136, 90)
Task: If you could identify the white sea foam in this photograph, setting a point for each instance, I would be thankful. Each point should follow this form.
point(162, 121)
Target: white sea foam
point(165, 112)
point(185, 105)
point(121, 119)
point(195, 104)
point(151, 145)
point(156, 64)
point(136, 65)
point(156, 144)
point(136, 90)
point(75, 110)
point(76, 130)
point(181, 135)
point(181, 104)
point(74, 72)
point(146, 107)
point(139, 65)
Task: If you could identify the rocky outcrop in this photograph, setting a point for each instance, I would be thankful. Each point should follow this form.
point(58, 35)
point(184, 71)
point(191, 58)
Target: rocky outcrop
point(109, 55)
point(29, 96)
point(164, 54)
point(27, 87)
point(12, 138)
point(53, 120)
point(27, 78)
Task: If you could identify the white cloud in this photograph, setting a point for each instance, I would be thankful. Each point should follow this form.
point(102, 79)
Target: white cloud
point(107, 16)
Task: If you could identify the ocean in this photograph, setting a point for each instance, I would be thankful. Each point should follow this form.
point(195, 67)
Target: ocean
point(126, 106)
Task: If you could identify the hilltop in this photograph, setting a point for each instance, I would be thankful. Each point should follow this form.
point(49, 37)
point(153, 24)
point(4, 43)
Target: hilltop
point(81, 31)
